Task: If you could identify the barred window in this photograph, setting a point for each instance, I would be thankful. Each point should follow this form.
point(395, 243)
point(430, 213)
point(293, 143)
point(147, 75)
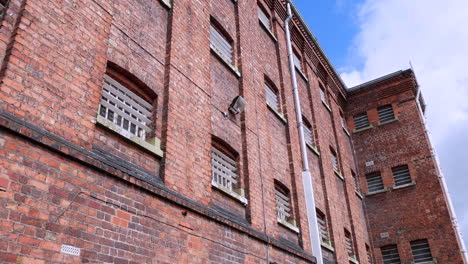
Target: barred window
point(224, 170)
point(361, 121)
point(263, 17)
point(349, 243)
point(355, 181)
point(334, 160)
point(374, 182)
point(343, 121)
point(308, 136)
point(322, 95)
point(283, 205)
point(385, 113)
point(297, 61)
point(272, 97)
point(128, 112)
point(323, 229)
point(401, 175)
point(221, 44)
point(421, 251)
point(390, 255)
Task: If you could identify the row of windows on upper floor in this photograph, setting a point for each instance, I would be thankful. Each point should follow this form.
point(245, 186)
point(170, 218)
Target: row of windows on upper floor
point(401, 177)
point(385, 113)
point(420, 250)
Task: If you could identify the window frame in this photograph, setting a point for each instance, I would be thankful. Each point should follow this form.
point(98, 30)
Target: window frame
point(427, 259)
point(218, 38)
point(391, 255)
point(284, 209)
point(385, 115)
point(373, 175)
point(365, 124)
point(398, 172)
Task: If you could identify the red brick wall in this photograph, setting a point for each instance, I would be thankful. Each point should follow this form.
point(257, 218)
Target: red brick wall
point(411, 213)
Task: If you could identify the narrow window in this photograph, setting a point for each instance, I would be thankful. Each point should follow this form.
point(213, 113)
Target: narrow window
point(334, 160)
point(224, 170)
point(390, 255)
point(308, 136)
point(421, 251)
point(343, 121)
point(221, 44)
point(322, 95)
point(355, 182)
point(297, 61)
point(263, 17)
point(374, 182)
point(283, 207)
point(349, 244)
point(361, 121)
point(401, 175)
point(125, 110)
point(322, 224)
point(369, 254)
point(272, 98)
point(385, 113)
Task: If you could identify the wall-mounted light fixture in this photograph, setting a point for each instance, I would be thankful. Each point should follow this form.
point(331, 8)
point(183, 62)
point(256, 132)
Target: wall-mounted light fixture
point(238, 104)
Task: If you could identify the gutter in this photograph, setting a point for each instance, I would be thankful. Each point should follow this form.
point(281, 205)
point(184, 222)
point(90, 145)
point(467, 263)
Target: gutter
point(314, 233)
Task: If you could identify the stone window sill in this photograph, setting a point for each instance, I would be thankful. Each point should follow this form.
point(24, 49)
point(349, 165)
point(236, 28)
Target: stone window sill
point(377, 192)
point(302, 74)
point(226, 62)
point(237, 194)
point(278, 114)
point(327, 245)
point(395, 187)
point(387, 122)
point(346, 131)
point(358, 194)
point(288, 225)
point(337, 173)
point(353, 259)
point(265, 27)
point(363, 129)
point(153, 145)
point(313, 148)
point(166, 3)
point(327, 106)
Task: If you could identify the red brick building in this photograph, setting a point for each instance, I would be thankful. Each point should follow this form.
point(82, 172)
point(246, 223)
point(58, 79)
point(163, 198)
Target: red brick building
point(119, 142)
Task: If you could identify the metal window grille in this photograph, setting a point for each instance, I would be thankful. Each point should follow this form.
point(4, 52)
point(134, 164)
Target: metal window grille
point(361, 121)
point(125, 109)
point(263, 18)
point(385, 113)
point(272, 98)
point(221, 44)
point(283, 206)
point(322, 95)
point(390, 255)
point(401, 175)
point(334, 160)
point(322, 227)
point(297, 62)
point(308, 135)
point(349, 244)
point(355, 183)
point(224, 170)
point(421, 251)
point(374, 182)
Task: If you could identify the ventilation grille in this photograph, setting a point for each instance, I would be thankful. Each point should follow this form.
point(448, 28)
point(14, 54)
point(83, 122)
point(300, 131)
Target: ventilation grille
point(221, 44)
point(70, 250)
point(361, 121)
point(349, 244)
point(334, 161)
point(421, 251)
point(223, 170)
point(374, 183)
point(385, 113)
point(322, 227)
point(390, 255)
point(308, 136)
point(125, 109)
point(297, 62)
point(401, 176)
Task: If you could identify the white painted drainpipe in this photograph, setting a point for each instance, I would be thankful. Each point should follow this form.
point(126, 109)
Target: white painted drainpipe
point(314, 234)
point(453, 216)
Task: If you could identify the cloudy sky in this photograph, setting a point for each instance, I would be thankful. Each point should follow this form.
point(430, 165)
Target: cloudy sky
point(366, 39)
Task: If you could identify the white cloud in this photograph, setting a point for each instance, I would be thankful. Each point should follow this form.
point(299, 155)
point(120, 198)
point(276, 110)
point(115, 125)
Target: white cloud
point(434, 36)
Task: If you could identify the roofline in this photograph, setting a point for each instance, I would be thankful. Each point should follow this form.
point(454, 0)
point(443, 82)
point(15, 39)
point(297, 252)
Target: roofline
point(380, 79)
point(315, 41)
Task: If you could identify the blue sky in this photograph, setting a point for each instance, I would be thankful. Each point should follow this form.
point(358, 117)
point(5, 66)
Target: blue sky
point(365, 39)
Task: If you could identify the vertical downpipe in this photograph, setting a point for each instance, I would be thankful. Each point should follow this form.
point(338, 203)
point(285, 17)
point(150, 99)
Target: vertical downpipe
point(314, 234)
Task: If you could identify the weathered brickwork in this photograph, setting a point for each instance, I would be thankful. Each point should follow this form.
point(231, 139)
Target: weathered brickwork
point(68, 178)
